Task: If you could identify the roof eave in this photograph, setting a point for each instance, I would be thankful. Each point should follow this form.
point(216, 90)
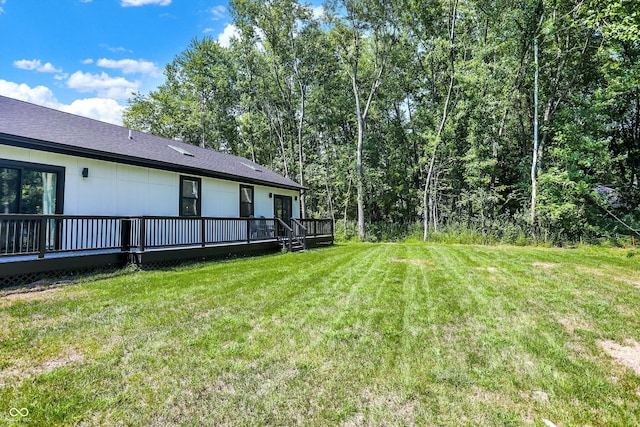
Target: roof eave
point(55, 147)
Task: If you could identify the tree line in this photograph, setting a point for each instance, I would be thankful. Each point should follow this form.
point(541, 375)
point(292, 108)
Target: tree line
point(509, 117)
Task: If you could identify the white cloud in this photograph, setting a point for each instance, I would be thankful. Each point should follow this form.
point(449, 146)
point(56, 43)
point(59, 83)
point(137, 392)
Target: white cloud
point(62, 76)
point(40, 95)
point(35, 65)
point(127, 3)
point(48, 68)
point(25, 64)
point(103, 109)
point(87, 61)
point(230, 32)
point(1, 10)
point(208, 30)
point(103, 84)
point(218, 12)
point(129, 66)
point(318, 12)
point(116, 49)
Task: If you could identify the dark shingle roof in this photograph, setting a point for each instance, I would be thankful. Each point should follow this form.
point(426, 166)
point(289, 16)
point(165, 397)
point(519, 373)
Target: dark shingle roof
point(34, 126)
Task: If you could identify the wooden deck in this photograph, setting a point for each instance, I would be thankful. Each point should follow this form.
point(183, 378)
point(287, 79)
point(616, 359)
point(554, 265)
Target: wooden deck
point(32, 246)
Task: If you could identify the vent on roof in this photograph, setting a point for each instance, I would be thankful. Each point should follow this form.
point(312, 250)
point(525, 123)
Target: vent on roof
point(251, 167)
point(181, 150)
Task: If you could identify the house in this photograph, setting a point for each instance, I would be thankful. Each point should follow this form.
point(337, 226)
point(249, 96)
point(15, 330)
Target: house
point(82, 166)
point(60, 165)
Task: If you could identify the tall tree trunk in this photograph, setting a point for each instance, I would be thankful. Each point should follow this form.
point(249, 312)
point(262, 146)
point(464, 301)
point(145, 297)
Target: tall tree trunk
point(202, 122)
point(300, 151)
point(361, 116)
point(534, 162)
point(445, 112)
point(329, 197)
point(362, 228)
point(346, 207)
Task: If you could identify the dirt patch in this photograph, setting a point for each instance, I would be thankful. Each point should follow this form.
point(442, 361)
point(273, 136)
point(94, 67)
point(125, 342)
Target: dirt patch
point(572, 324)
point(38, 294)
point(488, 397)
point(546, 265)
point(72, 356)
point(600, 273)
point(489, 269)
point(627, 355)
point(19, 373)
point(413, 261)
point(536, 395)
point(589, 270)
point(376, 400)
point(31, 294)
point(629, 280)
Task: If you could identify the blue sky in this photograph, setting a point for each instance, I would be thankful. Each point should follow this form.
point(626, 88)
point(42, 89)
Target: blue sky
point(86, 56)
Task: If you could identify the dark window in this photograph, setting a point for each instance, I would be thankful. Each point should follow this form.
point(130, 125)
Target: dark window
point(246, 201)
point(190, 191)
point(31, 188)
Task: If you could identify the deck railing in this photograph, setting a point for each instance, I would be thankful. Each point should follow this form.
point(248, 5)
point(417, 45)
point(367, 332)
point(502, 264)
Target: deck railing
point(317, 227)
point(41, 234)
point(157, 232)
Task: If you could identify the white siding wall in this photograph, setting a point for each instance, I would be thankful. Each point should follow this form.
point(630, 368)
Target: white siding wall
point(117, 189)
point(264, 204)
point(220, 198)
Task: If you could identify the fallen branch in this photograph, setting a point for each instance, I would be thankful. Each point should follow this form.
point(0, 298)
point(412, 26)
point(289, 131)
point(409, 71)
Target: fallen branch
point(621, 221)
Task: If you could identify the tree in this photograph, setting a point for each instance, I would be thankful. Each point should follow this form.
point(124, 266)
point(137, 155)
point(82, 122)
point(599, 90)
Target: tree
point(388, 111)
point(363, 37)
point(287, 39)
point(195, 103)
point(566, 50)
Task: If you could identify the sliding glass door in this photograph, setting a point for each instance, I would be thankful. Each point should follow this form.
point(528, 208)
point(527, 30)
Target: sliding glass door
point(29, 188)
point(32, 189)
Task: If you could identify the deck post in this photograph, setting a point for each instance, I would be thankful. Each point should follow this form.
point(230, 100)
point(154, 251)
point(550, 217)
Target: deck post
point(248, 230)
point(143, 233)
point(203, 234)
point(42, 237)
point(125, 234)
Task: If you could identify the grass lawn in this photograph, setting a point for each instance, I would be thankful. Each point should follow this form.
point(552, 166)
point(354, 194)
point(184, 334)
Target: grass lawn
point(356, 334)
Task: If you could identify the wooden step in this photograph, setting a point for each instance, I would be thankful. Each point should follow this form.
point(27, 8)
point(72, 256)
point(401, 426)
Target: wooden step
point(295, 246)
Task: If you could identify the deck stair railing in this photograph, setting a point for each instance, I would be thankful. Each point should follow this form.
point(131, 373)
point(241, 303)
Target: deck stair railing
point(284, 234)
point(299, 234)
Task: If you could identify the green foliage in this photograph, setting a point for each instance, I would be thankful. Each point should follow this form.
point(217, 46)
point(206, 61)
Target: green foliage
point(291, 92)
point(196, 101)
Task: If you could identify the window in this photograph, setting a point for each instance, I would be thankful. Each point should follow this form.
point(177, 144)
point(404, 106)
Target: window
point(31, 188)
point(246, 201)
point(190, 191)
